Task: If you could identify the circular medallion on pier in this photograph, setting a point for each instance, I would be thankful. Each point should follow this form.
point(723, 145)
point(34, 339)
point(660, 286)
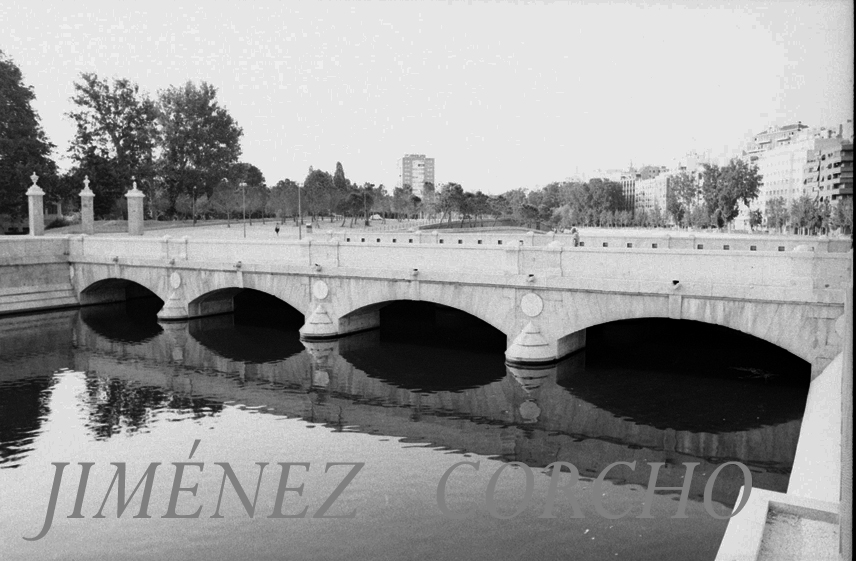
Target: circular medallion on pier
point(320, 290)
point(531, 304)
point(175, 280)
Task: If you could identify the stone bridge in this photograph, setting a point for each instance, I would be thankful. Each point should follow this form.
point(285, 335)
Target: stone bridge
point(542, 297)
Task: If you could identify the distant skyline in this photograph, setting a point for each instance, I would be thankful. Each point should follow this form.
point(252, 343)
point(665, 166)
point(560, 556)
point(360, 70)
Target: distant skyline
point(501, 95)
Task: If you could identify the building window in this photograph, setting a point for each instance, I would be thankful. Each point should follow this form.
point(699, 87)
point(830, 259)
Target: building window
point(753, 248)
point(347, 239)
point(629, 245)
point(781, 248)
point(362, 239)
point(700, 246)
point(605, 244)
point(393, 240)
point(726, 247)
point(441, 241)
point(582, 244)
point(653, 246)
point(460, 241)
point(479, 242)
point(498, 242)
point(378, 240)
point(410, 240)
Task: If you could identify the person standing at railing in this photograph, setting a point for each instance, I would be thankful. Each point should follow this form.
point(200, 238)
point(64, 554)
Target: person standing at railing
point(576, 237)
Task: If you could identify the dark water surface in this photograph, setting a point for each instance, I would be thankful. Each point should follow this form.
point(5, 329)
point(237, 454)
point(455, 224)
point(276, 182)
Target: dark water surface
point(430, 389)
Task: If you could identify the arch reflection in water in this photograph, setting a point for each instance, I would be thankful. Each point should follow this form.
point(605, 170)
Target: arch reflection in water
point(569, 412)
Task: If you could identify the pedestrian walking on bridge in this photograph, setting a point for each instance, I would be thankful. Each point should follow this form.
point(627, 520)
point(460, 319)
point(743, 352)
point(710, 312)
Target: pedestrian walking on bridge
point(276, 229)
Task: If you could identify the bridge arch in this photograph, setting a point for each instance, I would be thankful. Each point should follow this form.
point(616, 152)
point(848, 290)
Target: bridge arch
point(364, 304)
point(794, 327)
point(112, 289)
point(221, 300)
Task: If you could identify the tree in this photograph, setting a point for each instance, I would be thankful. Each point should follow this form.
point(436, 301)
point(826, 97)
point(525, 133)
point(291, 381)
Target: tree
point(803, 213)
point(724, 188)
point(200, 140)
point(256, 192)
point(656, 219)
point(316, 189)
point(115, 136)
point(499, 207)
point(842, 215)
point(24, 148)
point(776, 212)
point(756, 217)
point(699, 216)
point(681, 194)
point(674, 207)
point(338, 189)
point(224, 200)
point(283, 198)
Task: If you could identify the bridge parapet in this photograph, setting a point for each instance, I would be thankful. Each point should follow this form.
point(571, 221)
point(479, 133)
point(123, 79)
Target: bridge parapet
point(655, 239)
point(740, 270)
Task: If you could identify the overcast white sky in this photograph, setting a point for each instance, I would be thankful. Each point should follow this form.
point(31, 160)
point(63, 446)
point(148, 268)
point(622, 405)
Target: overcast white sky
point(502, 95)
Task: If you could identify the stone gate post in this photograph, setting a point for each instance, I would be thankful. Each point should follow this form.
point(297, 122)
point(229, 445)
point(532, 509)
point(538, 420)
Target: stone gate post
point(87, 213)
point(135, 210)
point(36, 204)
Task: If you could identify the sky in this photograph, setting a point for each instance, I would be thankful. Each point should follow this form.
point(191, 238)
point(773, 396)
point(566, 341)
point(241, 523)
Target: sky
point(502, 95)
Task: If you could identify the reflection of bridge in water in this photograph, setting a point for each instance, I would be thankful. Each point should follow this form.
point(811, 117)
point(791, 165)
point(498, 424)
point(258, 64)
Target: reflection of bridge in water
point(523, 415)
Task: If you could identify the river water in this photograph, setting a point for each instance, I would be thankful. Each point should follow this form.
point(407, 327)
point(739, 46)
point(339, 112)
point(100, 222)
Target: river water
point(430, 389)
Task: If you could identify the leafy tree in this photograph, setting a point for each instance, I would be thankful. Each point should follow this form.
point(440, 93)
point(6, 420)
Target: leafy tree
point(803, 213)
point(680, 197)
point(200, 140)
point(24, 148)
point(283, 199)
point(224, 200)
point(756, 217)
point(115, 136)
point(657, 219)
point(256, 192)
point(724, 188)
point(499, 207)
point(777, 213)
point(699, 216)
point(316, 189)
point(674, 206)
point(842, 215)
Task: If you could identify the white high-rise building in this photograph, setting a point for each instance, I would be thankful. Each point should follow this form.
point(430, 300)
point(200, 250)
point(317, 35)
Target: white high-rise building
point(415, 170)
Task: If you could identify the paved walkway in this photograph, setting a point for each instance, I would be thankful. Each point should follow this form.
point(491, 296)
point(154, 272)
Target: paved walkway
point(259, 231)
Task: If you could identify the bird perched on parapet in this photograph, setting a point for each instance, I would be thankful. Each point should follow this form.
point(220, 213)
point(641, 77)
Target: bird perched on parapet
point(276, 229)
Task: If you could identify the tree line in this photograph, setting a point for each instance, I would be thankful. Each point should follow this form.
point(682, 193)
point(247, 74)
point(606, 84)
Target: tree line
point(183, 151)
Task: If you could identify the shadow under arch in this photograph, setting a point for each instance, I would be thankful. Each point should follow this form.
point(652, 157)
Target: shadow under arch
point(424, 346)
point(424, 301)
point(259, 328)
point(680, 374)
point(121, 310)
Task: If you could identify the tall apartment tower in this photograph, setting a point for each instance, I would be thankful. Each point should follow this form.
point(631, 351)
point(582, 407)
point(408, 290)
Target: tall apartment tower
point(415, 170)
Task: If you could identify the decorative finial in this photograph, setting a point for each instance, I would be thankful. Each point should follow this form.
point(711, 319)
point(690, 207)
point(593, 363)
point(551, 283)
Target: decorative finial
point(133, 183)
point(34, 178)
point(86, 182)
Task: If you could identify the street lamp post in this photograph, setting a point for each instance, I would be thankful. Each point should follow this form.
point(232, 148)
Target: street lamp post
point(194, 205)
point(299, 214)
point(244, 202)
point(228, 210)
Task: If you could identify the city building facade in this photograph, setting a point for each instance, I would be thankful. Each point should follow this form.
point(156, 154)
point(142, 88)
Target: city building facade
point(650, 194)
point(415, 170)
point(829, 172)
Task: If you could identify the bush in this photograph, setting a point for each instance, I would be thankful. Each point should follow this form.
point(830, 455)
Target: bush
point(58, 222)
